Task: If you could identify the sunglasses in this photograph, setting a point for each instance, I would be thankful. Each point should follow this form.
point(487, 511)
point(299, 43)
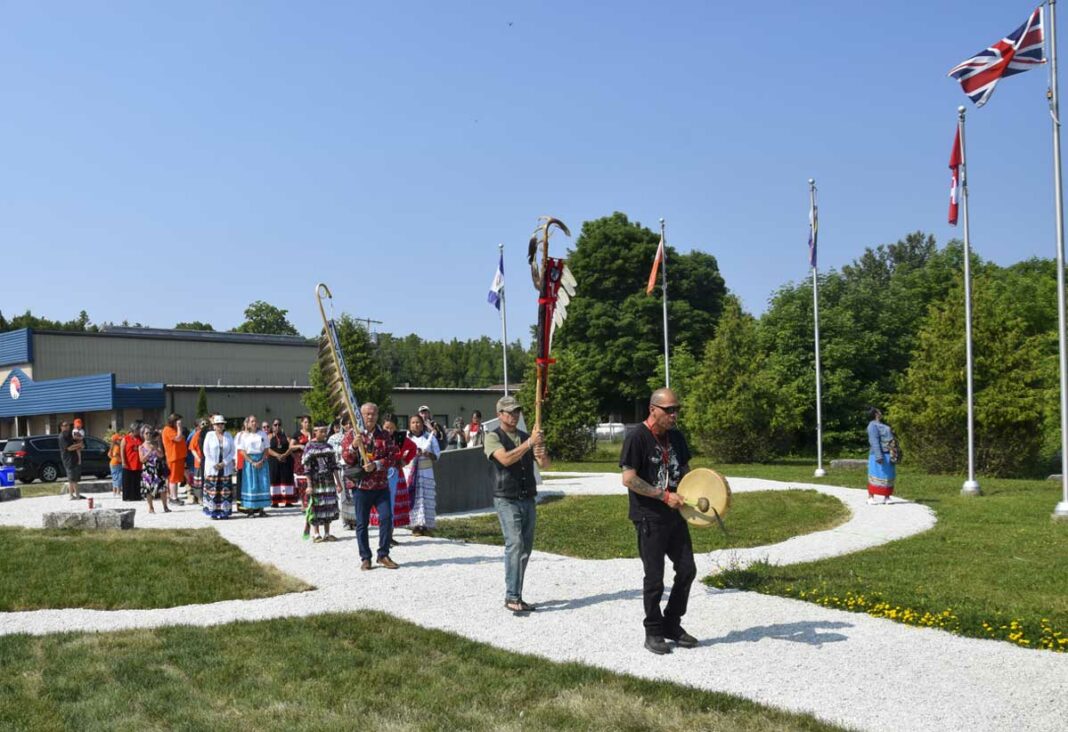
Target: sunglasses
point(673, 409)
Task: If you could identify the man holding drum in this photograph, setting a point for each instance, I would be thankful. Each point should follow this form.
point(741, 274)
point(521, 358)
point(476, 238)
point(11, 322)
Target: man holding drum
point(654, 459)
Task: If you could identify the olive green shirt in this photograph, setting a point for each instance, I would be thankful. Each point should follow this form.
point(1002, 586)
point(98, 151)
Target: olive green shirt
point(493, 441)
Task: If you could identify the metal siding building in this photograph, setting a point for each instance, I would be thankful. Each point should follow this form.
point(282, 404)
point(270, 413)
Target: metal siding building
point(115, 376)
point(176, 357)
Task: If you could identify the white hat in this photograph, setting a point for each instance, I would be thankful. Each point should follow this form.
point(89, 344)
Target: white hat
point(218, 419)
point(424, 408)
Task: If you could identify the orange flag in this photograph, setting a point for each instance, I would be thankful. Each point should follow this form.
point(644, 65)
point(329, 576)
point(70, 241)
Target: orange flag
point(656, 267)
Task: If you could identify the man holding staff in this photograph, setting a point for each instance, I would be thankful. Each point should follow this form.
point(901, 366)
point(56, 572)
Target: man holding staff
point(654, 459)
point(513, 453)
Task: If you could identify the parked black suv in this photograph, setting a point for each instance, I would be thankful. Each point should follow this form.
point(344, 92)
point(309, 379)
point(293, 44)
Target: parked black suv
point(38, 457)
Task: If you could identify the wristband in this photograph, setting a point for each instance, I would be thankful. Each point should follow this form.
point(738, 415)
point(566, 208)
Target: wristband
point(663, 495)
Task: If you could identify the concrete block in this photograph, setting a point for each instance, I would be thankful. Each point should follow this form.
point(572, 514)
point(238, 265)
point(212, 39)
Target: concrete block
point(849, 464)
point(103, 518)
point(10, 493)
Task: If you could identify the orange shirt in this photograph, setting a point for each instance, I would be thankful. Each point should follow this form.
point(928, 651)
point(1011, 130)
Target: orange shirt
point(176, 450)
point(194, 447)
point(116, 451)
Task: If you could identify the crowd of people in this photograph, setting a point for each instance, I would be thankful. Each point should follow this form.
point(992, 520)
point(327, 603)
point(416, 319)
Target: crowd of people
point(380, 476)
point(385, 479)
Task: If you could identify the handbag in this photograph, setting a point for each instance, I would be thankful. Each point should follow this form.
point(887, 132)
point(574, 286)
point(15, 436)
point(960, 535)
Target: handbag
point(894, 450)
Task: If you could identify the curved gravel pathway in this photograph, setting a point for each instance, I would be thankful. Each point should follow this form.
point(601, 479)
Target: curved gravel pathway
point(846, 668)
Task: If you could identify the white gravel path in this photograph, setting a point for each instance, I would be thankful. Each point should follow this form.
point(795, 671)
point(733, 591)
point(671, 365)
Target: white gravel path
point(847, 668)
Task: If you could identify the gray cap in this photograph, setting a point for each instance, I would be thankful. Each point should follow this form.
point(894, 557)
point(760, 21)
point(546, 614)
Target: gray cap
point(508, 404)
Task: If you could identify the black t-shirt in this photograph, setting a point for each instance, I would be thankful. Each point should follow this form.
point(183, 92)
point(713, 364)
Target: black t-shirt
point(659, 462)
point(66, 439)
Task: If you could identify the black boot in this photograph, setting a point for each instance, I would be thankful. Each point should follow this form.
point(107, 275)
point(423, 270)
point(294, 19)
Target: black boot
point(657, 644)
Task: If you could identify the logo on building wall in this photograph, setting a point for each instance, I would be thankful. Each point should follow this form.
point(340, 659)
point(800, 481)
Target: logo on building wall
point(15, 387)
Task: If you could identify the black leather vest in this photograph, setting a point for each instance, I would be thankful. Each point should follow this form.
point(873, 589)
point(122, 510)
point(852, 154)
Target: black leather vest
point(517, 481)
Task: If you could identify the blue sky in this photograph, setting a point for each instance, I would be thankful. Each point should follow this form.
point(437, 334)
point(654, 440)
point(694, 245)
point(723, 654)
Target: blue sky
point(165, 162)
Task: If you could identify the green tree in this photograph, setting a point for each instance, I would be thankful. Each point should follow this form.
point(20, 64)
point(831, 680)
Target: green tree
point(370, 379)
point(569, 412)
point(80, 324)
point(471, 364)
point(613, 328)
point(1014, 377)
point(194, 325)
point(685, 368)
point(731, 408)
point(202, 403)
point(870, 313)
point(262, 317)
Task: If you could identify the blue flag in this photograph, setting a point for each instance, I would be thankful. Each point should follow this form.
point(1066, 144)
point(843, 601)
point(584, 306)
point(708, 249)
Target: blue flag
point(496, 291)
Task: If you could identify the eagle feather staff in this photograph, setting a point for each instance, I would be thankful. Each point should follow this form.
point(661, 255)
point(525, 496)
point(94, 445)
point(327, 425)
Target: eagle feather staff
point(556, 286)
point(335, 374)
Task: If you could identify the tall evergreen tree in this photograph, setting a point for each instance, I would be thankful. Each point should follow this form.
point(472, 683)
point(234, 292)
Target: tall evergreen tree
point(569, 413)
point(202, 403)
point(370, 380)
point(1014, 377)
point(731, 408)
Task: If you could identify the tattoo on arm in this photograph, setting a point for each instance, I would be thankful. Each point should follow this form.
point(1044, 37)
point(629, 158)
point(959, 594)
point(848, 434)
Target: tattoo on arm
point(639, 486)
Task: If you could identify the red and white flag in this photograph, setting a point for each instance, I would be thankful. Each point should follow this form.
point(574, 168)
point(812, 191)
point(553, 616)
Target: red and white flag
point(656, 267)
point(955, 159)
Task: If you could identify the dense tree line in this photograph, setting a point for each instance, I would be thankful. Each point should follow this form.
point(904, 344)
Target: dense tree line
point(892, 336)
point(27, 319)
point(471, 364)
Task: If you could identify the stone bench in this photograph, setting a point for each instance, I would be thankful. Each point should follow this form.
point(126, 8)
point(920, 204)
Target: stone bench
point(94, 486)
point(10, 493)
point(100, 518)
point(849, 464)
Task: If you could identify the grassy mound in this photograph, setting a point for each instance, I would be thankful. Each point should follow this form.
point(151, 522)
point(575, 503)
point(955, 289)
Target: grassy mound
point(596, 527)
point(111, 570)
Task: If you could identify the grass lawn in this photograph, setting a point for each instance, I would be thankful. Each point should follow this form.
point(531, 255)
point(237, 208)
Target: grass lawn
point(596, 527)
point(37, 489)
point(993, 567)
point(337, 672)
point(110, 570)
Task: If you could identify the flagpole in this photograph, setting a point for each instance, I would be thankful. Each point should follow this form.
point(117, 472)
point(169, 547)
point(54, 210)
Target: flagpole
point(1060, 512)
point(663, 274)
point(820, 472)
point(504, 326)
point(971, 486)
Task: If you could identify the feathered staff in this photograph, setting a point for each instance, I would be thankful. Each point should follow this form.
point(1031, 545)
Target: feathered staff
point(335, 375)
point(556, 286)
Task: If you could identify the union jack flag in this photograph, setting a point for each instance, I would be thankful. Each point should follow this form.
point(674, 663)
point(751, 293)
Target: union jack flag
point(1017, 52)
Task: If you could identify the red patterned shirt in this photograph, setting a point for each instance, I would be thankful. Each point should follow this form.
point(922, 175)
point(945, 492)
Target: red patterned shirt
point(380, 448)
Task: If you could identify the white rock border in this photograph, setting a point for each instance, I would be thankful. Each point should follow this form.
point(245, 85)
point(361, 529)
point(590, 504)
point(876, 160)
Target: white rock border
point(846, 668)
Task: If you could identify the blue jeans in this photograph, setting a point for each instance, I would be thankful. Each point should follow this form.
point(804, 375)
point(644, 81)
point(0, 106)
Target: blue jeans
point(517, 517)
point(380, 500)
point(116, 477)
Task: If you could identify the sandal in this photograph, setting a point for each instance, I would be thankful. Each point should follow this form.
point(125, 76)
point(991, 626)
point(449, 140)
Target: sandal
point(527, 607)
point(515, 606)
point(317, 540)
point(166, 510)
point(329, 537)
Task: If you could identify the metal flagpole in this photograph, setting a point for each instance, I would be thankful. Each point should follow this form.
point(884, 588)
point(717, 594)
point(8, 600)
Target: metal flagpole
point(820, 472)
point(971, 486)
point(504, 325)
point(1060, 512)
point(663, 274)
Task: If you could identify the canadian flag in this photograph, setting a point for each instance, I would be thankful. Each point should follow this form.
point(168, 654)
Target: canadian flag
point(955, 159)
